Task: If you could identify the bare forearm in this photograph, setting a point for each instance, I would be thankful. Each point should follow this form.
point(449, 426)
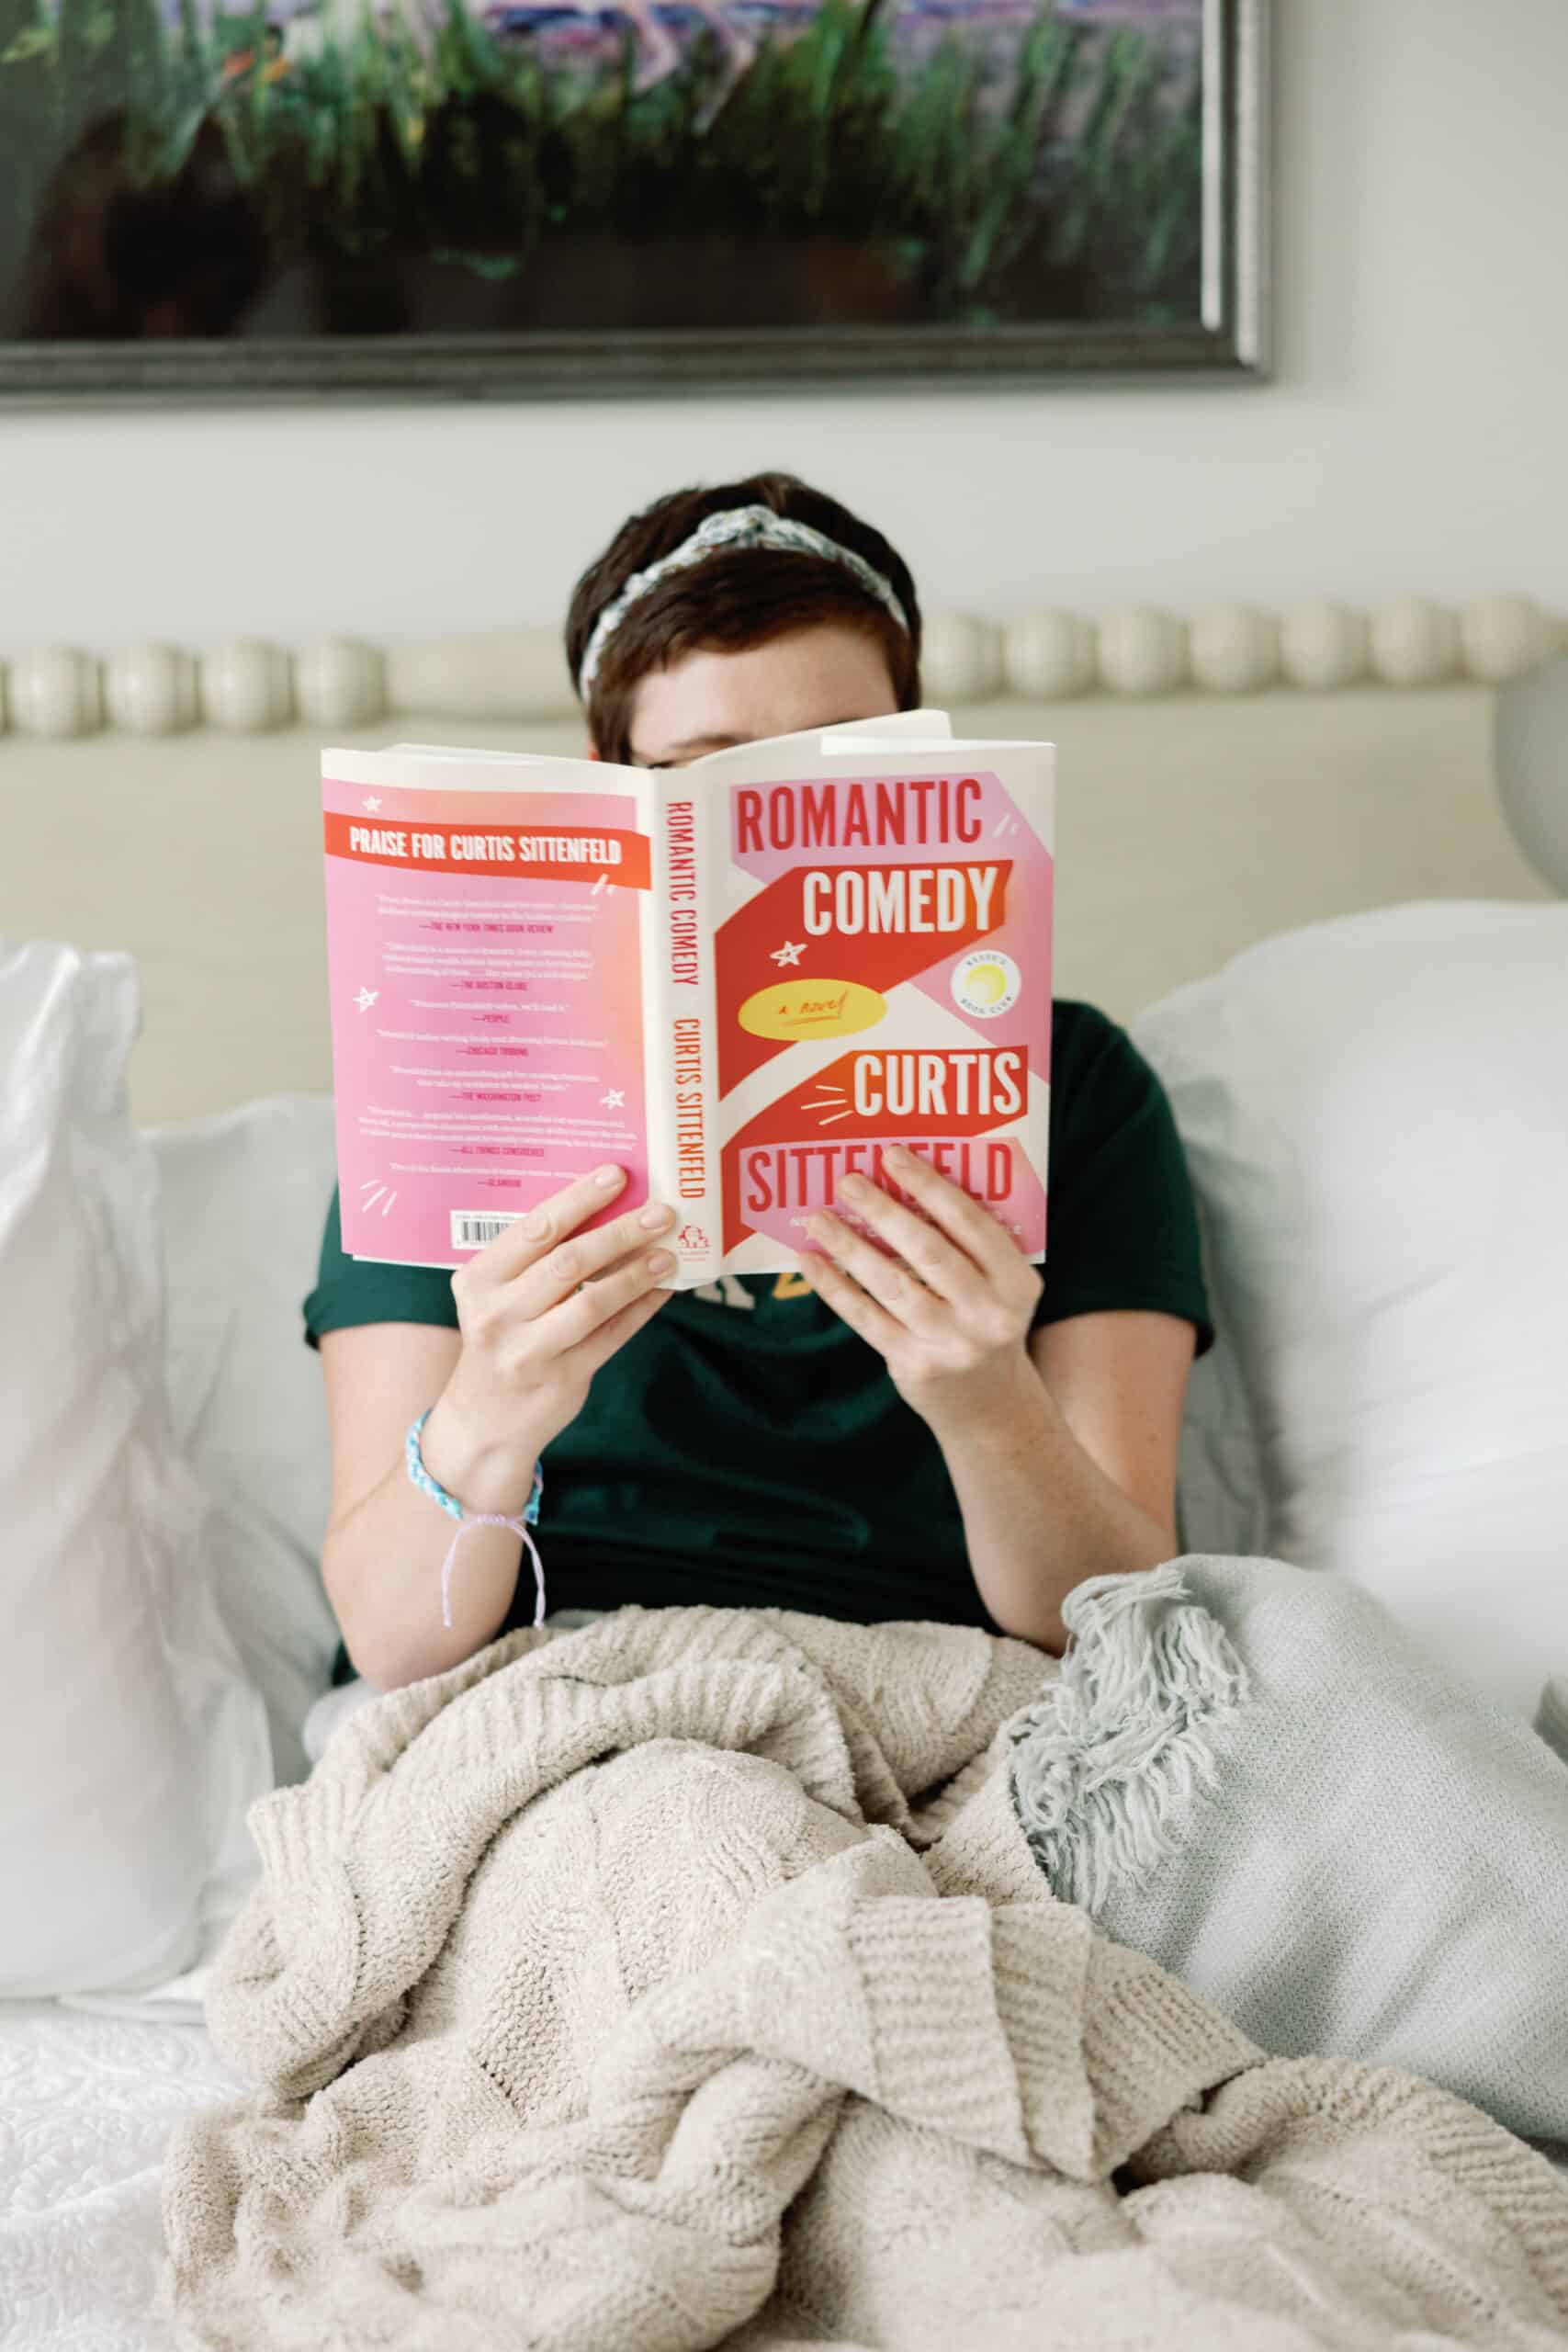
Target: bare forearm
point(1038, 1515)
point(382, 1562)
point(541, 1308)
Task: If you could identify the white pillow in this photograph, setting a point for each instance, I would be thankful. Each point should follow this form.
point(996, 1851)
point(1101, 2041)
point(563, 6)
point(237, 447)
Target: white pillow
point(245, 1196)
point(1375, 1111)
point(131, 1744)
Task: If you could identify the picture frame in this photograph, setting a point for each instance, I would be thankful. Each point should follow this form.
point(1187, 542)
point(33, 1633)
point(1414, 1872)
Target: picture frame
point(572, 309)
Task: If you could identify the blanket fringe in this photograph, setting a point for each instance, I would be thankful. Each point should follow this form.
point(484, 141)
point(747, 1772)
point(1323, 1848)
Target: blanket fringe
point(1106, 1766)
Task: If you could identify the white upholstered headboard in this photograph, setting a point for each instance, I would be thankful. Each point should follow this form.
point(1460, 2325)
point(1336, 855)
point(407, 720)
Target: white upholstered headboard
point(1221, 778)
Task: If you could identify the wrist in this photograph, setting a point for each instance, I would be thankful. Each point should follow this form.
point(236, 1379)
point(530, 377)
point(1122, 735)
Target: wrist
point(482, 1474)
point(992, 1412)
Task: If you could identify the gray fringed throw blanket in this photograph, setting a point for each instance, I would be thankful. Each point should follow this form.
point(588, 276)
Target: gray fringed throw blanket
point(1249, 1771)
point(687, 1980)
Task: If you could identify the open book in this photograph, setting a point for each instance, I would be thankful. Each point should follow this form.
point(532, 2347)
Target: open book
point(738, 979)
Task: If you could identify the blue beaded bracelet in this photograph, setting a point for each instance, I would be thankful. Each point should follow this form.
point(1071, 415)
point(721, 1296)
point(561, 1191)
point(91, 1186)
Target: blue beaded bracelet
point(454, 1509)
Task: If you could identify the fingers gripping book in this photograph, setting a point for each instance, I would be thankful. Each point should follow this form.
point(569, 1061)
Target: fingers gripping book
point(740, 980)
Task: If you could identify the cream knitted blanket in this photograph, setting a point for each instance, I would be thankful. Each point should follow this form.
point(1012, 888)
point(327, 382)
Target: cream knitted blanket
point(687, 1980)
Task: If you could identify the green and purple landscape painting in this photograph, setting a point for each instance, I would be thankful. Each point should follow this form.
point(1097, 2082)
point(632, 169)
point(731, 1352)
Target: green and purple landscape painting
point(174, 169)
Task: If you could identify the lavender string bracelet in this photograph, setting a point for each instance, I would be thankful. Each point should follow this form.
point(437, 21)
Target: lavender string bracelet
point(454, 1509)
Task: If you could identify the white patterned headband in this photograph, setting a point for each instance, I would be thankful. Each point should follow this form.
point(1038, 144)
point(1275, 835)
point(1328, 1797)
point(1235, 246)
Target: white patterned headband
point(737, 526)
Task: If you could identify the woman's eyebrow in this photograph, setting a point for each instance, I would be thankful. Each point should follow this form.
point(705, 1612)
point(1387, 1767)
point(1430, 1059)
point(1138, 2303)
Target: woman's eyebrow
point(691, 743)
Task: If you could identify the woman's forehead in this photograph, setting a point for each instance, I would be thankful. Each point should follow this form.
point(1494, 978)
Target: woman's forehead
point(820, 677)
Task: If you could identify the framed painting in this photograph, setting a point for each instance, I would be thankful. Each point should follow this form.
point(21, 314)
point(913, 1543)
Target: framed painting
point(589, 197)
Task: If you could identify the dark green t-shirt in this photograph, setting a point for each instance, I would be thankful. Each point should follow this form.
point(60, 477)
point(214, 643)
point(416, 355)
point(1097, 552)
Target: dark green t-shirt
point(749, 1449)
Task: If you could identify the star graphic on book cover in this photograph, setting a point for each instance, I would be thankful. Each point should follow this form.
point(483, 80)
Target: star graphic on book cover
point(366, 998)
point(790, 953)
point(615, 1100)
point(372, 804)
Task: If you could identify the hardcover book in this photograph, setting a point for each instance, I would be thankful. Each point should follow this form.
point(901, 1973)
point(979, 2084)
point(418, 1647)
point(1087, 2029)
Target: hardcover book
point(738, 979)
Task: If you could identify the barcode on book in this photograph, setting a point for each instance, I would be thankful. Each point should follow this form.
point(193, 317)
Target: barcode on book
point(471, 1229)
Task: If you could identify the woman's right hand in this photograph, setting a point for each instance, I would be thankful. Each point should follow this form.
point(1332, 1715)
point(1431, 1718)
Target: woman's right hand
point(540, 1308)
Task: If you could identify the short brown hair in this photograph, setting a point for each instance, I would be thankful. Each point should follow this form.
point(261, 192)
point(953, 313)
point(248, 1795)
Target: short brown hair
point(736, 598)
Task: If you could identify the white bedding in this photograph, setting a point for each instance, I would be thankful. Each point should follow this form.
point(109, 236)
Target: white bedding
point(86, 2104)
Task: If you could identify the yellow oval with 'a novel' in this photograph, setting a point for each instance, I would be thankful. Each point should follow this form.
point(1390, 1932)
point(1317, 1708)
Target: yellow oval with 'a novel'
point(811, 1008)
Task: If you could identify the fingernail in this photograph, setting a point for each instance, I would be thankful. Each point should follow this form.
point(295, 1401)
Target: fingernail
point(605, 1177)
point(897, 1153)
point(818, 1227)
point(537, 1226)
point(854, 1188)
point(660, 1262)
point(654, 1217)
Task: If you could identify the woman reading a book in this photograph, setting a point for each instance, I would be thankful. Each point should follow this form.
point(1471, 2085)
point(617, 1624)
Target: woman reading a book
point(935, 1430)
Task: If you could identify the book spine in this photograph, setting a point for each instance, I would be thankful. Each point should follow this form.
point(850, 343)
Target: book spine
point(682, 1078)
point(658, 1107)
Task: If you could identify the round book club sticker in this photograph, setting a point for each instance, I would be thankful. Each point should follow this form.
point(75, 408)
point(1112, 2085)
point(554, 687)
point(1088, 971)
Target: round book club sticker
point(985, 983)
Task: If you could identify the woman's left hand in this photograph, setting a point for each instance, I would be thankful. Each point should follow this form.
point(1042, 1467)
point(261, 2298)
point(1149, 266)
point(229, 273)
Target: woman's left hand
point(949, 1311)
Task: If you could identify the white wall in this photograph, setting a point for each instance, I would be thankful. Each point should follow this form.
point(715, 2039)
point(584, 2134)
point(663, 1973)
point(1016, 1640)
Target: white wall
point(1414, 436)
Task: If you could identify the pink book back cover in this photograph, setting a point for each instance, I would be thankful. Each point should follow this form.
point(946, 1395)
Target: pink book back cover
point(487, 1005)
